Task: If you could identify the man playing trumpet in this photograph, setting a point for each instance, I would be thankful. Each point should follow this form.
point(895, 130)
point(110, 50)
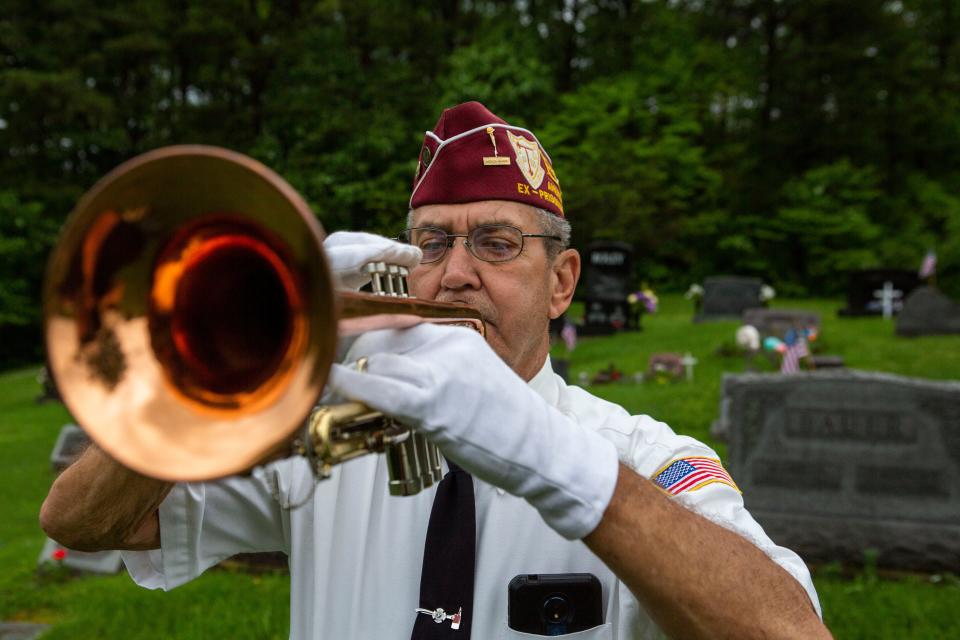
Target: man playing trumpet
point(544, 478)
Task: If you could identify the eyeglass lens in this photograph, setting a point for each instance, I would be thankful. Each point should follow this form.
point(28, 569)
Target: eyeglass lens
point(491, 243)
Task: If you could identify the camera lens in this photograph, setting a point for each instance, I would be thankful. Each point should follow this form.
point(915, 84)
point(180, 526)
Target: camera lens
point(556, 608)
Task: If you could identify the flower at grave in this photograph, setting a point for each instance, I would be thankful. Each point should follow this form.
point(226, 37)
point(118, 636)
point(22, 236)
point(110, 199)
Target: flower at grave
point(59, 554)
point(646, 297)
point(660, 374)
point(695, 292)
point(650, 300)
point(748, 338)
point(610, 374)
point(772, 343)
point(808, 335)
point(767, 293)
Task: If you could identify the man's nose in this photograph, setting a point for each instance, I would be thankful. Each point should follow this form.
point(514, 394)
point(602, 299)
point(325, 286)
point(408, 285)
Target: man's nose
point(459, 268)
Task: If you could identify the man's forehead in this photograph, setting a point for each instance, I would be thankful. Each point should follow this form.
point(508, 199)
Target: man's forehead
point(471, 214)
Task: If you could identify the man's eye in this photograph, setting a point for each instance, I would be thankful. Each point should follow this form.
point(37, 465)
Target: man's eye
point(496, 244)
point(432, 245)
point(498, 240)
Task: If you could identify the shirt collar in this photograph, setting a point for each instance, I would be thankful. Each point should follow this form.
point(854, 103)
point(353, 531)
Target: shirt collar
point(546, 383)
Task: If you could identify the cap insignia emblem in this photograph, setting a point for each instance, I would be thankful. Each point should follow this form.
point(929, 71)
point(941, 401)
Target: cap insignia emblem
point(528, 159)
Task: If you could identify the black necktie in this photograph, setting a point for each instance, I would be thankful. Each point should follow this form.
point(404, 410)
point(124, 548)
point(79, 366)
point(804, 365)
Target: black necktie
point(446, 581)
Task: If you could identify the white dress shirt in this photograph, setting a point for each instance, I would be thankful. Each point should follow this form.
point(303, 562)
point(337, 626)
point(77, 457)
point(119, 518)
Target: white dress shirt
point(355, 551)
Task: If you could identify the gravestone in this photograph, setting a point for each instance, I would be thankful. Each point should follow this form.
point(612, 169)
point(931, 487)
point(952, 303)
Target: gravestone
point(776, 322)
point(836, 462)
point(928, 312)
point(100, 562)
point(665, 367)
point(70, 444)
point(688, 362)
point(727, 297)
point(863, 285)
point(607, 274)
point(890, 298)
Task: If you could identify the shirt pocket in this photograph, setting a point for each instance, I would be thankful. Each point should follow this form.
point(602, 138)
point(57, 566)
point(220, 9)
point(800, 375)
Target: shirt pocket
point(599, 632)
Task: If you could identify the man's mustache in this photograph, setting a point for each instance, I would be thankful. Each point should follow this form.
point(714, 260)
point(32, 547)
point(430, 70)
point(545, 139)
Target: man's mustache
point(487, 311)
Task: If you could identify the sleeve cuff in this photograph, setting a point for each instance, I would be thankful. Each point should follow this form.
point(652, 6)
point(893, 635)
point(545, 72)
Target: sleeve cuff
point(175, 562)
point(587, 490)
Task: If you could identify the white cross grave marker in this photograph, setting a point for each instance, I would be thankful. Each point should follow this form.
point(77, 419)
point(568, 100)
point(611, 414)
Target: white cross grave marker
point(688, 363)
point(887, 296)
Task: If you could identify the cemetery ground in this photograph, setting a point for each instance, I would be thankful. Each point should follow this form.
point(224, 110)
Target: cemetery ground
point(858, 602)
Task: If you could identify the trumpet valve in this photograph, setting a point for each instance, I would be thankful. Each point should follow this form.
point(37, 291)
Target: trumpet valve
point(393, 280)
point(388, 279)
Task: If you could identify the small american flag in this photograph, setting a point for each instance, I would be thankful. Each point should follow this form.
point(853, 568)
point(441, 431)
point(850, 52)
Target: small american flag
point(689, 474)
point(929, 266)
point(792, 355)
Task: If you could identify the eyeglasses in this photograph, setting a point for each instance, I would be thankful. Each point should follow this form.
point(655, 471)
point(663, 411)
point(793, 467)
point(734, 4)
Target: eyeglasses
point(487, 242)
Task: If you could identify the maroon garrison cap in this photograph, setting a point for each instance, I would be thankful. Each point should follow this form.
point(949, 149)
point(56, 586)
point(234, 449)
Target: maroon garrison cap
point(474, 155)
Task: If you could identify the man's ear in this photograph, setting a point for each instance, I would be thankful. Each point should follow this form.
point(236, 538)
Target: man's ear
point(565, 272)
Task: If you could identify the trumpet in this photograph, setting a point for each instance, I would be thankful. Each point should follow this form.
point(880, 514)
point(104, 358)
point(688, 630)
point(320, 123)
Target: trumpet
point(191, 320)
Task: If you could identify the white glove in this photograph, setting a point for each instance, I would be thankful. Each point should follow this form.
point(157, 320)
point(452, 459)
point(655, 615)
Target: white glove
point(448, 384)
point(348, 252)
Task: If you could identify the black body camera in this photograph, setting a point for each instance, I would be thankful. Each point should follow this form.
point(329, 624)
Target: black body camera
point(554, 604)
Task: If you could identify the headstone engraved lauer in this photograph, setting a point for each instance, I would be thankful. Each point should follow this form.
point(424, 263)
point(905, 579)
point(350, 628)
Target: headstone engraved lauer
point(833, 463)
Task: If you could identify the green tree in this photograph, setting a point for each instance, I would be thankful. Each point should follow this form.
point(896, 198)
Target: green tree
point(627, 154)
point(26, 237)
point(822, 227)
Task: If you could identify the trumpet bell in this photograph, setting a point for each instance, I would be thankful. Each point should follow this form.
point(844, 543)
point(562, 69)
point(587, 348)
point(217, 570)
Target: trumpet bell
point(189, 314)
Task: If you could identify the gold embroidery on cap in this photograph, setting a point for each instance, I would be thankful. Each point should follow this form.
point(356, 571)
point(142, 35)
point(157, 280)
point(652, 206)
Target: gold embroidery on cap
point(528, 159)
point(550, 172)
point(497, 160)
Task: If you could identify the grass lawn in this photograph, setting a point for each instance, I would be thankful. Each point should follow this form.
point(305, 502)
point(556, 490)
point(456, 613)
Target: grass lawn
point(226, 604)
point(218, 605)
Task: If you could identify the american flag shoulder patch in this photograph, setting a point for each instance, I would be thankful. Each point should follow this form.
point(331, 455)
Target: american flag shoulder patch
point(690, 474)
